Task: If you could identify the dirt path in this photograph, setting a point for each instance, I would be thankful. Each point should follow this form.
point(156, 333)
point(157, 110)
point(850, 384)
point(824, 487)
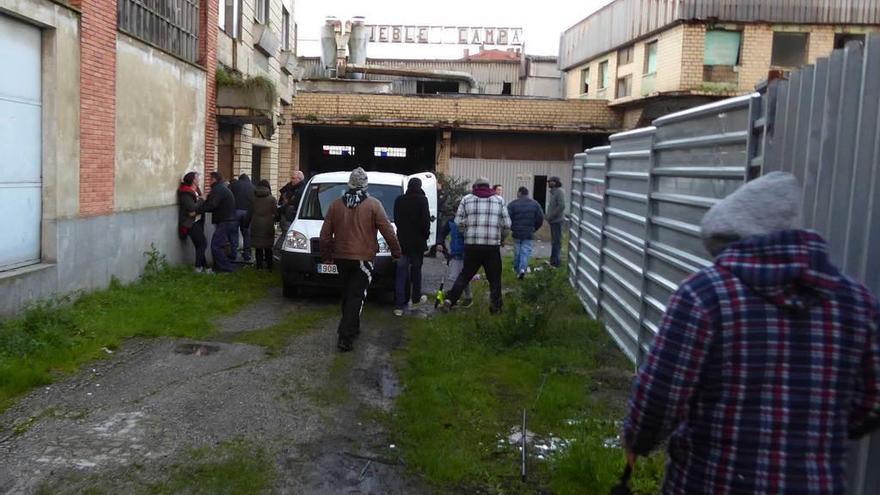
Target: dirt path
point(125, 422)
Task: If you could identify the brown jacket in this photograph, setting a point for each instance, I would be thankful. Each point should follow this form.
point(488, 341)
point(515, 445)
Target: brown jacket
point(350, 233)
point(263, 218)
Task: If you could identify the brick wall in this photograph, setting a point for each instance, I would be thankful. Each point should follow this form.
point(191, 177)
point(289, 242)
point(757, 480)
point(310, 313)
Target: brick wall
point(462, 112)
point(693, 43)
point(756, 51)
point(821, 43)
point(97, 105)
point(208, 58)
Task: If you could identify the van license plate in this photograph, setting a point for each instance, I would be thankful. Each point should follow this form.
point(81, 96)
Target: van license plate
point(328, 269)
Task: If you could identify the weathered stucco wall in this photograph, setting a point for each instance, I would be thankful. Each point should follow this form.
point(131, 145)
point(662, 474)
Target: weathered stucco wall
point(160, 124)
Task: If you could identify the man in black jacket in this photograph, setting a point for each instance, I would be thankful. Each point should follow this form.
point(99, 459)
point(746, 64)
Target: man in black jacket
point(413, 220)
point(525, 218)
point(243, 191)
point(221, 204)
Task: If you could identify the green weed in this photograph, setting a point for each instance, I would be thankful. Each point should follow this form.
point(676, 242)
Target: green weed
point(58, 337)
point(233, 467)
point(276, 337)
point(467, 376)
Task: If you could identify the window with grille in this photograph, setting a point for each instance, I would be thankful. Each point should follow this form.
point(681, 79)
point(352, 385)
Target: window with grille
point(389, 152)
point(789, 49)
point(336, 150)
point(169, 25)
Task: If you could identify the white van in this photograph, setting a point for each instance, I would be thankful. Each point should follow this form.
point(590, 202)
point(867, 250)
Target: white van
point(301, 263)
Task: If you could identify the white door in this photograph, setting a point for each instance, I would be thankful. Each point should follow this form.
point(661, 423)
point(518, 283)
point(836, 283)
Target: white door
point(429, 185)
point(20, 148)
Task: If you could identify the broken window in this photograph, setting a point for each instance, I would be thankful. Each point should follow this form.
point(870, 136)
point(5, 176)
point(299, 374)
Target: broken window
point(651, 57)
point(625, 56)
point(789, 49)
point(624, 86)
point(337, 150)
point(604, 75)
point(585, 81)
point(261, 12)
point(507, 88)
point(436, 87)
point(389, 152)
point(721, 54)
point(841, 39)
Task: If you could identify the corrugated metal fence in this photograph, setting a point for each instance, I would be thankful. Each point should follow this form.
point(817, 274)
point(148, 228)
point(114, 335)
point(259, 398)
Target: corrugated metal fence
point(637, 204)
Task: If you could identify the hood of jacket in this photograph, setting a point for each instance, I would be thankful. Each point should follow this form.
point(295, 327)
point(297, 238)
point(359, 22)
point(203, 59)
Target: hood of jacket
point(790, 268)
point(261, 191)
point(354, 197)
point(483, 191)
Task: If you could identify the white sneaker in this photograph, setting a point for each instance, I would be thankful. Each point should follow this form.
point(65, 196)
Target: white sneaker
point(209, 271)
point(200, 269)
point(423, 300)
point(398, 312)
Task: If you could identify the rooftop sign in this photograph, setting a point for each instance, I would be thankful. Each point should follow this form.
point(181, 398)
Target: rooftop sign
point(445, 35)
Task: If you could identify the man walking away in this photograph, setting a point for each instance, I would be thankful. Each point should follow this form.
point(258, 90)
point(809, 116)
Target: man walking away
point(525, 218)
point(243, 190)
point(556, 217)
point(348, 239)
point(766, 362)
point(413, 220)
point(221, 204)
point(485, 222)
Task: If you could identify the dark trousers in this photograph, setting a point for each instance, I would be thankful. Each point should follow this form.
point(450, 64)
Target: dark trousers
point(264, 258)
point(488, 257)
point(197, 236)
point(223, 232)
point(408, 278)
point(356, 277)
point(241, 216)
point(556, 246)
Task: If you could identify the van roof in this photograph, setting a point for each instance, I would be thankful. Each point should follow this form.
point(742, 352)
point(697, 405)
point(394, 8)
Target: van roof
point(373, 177)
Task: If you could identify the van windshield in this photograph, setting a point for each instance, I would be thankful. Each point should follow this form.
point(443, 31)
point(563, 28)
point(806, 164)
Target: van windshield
point(318, 198)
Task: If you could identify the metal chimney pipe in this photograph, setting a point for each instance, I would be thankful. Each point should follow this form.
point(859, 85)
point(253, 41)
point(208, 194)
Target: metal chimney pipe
point(357, 44)
point(328, 45)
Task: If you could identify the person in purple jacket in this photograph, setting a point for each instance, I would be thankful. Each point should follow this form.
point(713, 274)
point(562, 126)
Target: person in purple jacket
point(766, 363)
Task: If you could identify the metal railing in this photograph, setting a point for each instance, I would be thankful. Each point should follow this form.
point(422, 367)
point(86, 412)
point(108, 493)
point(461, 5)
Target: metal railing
point(636, 205)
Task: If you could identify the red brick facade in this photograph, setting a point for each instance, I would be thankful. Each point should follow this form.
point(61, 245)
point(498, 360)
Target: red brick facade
point(97, 106)
point(208, 58)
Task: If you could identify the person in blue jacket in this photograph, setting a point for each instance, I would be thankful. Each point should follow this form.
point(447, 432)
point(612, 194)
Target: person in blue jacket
point(455, 256)
point(526, 217)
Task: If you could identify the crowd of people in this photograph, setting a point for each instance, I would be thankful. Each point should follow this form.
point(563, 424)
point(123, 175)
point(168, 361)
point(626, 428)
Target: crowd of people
point(239, 210)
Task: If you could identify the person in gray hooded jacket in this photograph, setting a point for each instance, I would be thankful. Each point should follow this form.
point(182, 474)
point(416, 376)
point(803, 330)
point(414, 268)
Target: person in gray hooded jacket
point(555, 216)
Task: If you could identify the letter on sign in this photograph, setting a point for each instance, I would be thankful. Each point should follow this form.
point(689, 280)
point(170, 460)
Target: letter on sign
point(423, 34)
point(396, 35)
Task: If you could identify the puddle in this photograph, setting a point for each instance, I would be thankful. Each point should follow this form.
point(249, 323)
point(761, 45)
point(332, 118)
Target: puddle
point(196, 349)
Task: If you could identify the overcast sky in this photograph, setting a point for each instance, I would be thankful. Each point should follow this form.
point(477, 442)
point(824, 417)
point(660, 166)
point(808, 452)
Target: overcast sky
point(542, 21)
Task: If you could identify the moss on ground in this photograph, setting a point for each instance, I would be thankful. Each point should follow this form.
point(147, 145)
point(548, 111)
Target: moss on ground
point(275, 338)
point(467, 376)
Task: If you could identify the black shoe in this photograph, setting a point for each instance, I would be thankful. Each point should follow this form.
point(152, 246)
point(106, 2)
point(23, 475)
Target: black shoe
point(521, 276)
point(494, 311)
point(344, 345)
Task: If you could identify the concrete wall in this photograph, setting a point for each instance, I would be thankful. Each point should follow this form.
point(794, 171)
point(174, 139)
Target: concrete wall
point(160, 124)
point(93, 250)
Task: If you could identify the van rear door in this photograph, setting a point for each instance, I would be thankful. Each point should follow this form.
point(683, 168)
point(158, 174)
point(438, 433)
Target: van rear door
point(429, 185)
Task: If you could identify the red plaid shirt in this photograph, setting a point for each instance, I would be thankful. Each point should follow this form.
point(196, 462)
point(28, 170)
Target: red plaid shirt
point(765, 364)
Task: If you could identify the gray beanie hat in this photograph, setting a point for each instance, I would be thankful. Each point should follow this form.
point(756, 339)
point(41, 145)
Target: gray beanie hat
point(482, 181)
point(357, 179)
point(763, 206)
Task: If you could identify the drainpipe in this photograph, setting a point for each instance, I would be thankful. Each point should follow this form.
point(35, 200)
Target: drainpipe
point(432, 74)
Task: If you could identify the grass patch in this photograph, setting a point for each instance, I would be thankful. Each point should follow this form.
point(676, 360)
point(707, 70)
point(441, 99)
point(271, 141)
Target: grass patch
point(467, 377)
point(58, 337)
point(276, 337)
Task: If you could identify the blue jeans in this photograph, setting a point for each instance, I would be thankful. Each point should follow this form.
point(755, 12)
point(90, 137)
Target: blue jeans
point(241, 217)
point(408, 279)
point(522, 253)
point(223, 233)
point(556, 248)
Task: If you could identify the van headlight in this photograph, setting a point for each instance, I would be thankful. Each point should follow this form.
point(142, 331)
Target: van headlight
point(383, 246)
point(296, 241)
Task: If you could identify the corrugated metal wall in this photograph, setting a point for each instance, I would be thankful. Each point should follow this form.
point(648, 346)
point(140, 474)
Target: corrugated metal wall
point(509, 173)
point(625, 20)
point(823, 125)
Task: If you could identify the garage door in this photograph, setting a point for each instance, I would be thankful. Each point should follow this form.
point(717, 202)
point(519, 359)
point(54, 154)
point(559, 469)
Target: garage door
point(20, 150)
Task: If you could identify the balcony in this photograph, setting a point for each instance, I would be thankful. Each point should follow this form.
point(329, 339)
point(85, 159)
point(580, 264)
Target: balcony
point(245, 100)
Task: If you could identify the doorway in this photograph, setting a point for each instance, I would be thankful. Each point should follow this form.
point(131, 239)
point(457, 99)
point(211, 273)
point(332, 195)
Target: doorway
point(539, 191)
point(257, 164)
point(225, 150)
